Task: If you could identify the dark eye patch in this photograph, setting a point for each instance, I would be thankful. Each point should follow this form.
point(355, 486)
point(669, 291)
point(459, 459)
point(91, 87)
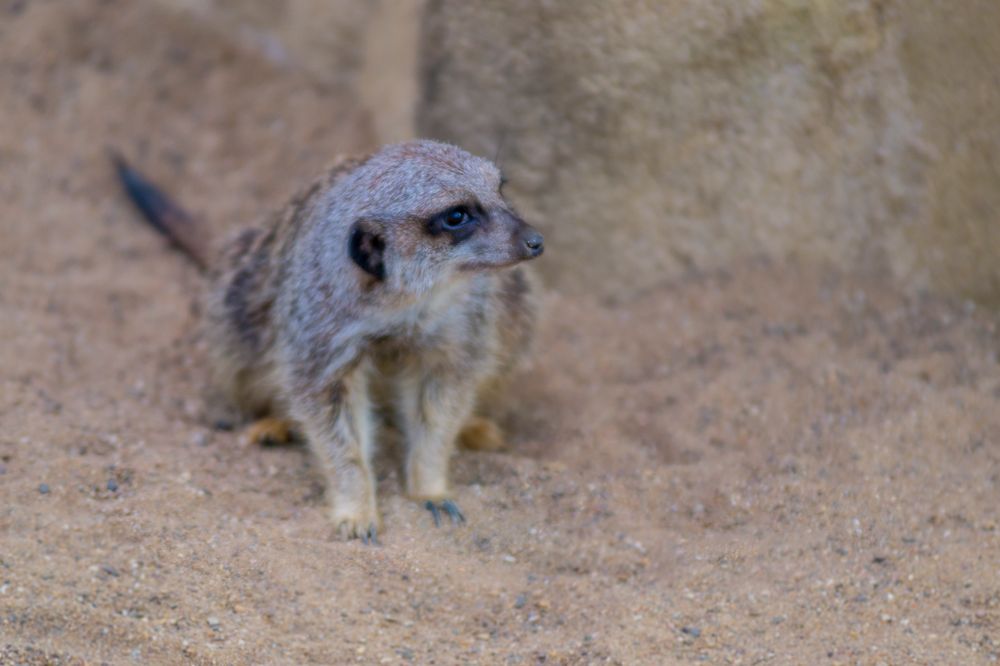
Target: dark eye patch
point(458, 222)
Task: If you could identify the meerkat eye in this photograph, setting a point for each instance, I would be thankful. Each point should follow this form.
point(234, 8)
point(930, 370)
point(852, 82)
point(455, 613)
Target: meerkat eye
point(457, 217)
point(459, 222)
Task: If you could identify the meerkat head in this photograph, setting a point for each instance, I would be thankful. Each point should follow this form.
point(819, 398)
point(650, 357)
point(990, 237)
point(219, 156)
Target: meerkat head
point(423, 212)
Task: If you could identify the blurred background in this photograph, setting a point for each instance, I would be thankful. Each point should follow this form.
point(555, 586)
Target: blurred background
point(647, 137)
point(762, 426)
point(653, 137)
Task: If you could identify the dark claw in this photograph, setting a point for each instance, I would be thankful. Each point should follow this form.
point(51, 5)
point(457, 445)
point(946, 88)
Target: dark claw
point(452, 510)
point(370, 538)
point(430, 506)
point(448, 507)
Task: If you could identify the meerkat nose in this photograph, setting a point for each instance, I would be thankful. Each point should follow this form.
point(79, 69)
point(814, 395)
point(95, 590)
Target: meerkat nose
point(535, 243)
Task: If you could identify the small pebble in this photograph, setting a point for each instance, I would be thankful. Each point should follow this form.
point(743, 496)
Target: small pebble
point(520, 601)
point(214, 623)
point(43, 488)
point(694, 632)
point(112, 485)
point(110, 570)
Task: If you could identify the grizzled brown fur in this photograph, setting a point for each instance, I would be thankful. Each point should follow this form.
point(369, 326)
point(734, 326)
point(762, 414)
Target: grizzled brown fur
point(392, 278)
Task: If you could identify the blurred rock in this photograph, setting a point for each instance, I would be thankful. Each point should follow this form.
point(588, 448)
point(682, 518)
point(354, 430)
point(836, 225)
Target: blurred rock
point(651, 137)
point(365, 46)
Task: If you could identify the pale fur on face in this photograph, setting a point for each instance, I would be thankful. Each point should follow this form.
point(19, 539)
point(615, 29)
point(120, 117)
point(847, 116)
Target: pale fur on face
point(399, 188)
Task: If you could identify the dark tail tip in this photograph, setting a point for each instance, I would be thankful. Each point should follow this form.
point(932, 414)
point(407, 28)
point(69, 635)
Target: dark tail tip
point(159, 210)
point(154, 205)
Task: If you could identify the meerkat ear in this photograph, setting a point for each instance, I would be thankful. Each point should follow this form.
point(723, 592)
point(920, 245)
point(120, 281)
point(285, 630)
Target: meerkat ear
point(367, 249)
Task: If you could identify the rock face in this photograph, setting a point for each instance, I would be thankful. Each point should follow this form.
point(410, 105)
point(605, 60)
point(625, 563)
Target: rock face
point(364, 47)
point(650, 137)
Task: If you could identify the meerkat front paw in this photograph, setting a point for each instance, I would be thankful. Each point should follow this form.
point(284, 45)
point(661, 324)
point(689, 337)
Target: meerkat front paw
point(355, 515)
point(431, 490)
point(447, 506)
point(354, 524)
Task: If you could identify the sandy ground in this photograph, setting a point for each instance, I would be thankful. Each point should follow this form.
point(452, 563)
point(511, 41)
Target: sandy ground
point(771, 464)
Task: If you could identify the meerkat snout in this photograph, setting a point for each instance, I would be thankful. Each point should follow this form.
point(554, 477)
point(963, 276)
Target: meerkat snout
point(423, 212)
point(526, 242)
point(493, 238)
point(534, 242)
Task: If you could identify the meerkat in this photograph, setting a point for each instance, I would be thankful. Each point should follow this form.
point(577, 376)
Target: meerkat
point(394, 281)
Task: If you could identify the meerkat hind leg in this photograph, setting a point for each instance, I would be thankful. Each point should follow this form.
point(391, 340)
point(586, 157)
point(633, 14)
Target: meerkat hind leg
point(268, 431)
point(481, 434)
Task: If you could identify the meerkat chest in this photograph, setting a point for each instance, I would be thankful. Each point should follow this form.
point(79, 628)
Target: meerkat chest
point(444, 317)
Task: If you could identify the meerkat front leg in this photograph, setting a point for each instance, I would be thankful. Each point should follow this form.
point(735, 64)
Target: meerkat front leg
point(340, 430)
point(434, 404)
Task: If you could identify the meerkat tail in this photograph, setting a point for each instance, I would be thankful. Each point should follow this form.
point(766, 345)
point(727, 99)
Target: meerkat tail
point(162, 213)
